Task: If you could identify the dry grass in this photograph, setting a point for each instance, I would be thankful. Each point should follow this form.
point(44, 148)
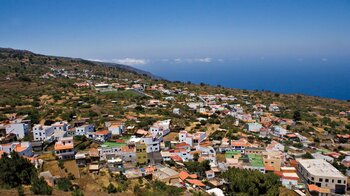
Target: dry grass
point(52, 166)
point(72, 167)
point(220, 157)
point(171, 136)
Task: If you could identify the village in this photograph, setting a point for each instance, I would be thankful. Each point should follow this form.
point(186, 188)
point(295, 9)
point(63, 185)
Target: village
point(219, 132)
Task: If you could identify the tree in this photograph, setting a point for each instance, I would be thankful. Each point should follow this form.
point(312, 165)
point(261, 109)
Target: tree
point(111, 188)
point(15, 170)
point(196, 167)
point(40, 187)
point(246, 182)
point(20, 190)
point(196, 156)
point(77, 192)
point(64, 184)
point(297, 116)
point(307, 156)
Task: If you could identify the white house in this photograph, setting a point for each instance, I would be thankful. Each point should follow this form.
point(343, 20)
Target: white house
point(102, 135)
point(43, 133)
point(116, 128)
point(160, 128)
point(22, 148)
point(275, 146)
point(166, 155)
point(209, 174)
point(274, 108)
point(151, 143)
point(84, 129)
point(184, 154)
point(280, 131)
point(253, 127)
point(19, 129)
point(192, 139)
point(60, 126)
point(176, 111)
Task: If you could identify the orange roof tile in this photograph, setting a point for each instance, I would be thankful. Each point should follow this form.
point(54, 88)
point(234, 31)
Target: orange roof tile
point(19, 148)
point(269, 167)
point(195, 182)
point(104, 132)
point(183, 175)
point(180, 145)
point(176, 158)
point(59, 146)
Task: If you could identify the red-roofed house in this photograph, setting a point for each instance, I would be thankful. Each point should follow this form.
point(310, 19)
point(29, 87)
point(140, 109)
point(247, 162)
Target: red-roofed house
point(103, 135)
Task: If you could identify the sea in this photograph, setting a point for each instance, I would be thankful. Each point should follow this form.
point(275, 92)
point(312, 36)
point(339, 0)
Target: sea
point(316, 77)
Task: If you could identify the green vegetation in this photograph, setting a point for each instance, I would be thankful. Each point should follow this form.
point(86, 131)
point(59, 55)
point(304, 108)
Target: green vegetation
point(40, 187)
point(15, 171)
point(246, 182)
point(64, 184)
point(158, 188)
point(197, 167)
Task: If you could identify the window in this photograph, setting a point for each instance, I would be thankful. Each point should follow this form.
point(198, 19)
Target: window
point(326, 180)
point(339, 181)
point(332, 180)
point(320, 180)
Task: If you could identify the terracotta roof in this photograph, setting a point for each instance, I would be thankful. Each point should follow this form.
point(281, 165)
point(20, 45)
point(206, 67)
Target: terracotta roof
point(269, 167)
point(183, 175)
point(183, 144)
point(291, 135)
point(127, 149)
point(104, 132)
point(19, 148)
point(293, 162)
point(195, 182)
point(60, 146)
point(313, 187)
point(176, 158)
point(206, 143)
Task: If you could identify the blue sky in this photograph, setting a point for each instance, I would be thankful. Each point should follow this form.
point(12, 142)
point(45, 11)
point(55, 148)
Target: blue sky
point(178, 31)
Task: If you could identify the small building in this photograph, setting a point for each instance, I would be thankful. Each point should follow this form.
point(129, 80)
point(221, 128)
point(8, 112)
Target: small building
point(43, 133)
point(209, 174)
point(115, 165)
point(64, 148)
point(192, 139)
point(84, 129)
point(165, 174)
point(94, 168)
point(116, 128)
point(320, 173)
point(18, 128)
point(37, 146)
point(141, 153)
point(80, 159)
point(253, 127)
point(103, 136)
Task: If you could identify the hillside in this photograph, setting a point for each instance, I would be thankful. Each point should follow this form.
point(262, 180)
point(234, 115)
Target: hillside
point(47, 89)
point(31, 80)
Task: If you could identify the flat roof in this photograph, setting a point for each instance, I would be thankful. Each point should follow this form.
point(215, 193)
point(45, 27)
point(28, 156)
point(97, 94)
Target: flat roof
point(256, 160)
point(320, 167)
point(113, 144)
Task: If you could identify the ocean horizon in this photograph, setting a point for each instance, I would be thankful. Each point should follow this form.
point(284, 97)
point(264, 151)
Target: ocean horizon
point(321, 77)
